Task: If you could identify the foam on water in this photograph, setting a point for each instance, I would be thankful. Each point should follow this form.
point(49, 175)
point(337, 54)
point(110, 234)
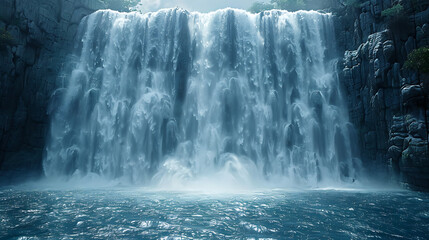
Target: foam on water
point(221, 100)
point(130, 214)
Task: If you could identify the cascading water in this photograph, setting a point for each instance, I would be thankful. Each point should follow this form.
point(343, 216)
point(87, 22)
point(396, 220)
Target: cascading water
point(173, 97)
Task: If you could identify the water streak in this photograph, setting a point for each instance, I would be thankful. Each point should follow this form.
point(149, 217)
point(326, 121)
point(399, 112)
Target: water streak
point(174, 98)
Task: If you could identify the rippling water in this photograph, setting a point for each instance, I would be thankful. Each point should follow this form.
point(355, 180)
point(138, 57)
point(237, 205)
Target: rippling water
point(139, 214)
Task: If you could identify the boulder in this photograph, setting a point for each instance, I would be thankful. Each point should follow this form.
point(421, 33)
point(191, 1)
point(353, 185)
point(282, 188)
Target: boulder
point(418, 130)
point(412, 94)
point(394, 153)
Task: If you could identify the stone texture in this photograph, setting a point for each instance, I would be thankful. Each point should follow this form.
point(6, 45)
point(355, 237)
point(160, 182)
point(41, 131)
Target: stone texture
point(43, 33)
point(388, 104)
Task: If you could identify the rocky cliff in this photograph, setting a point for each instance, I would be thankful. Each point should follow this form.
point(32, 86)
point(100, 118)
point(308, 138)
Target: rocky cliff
point(388, 104)
point(37, 36)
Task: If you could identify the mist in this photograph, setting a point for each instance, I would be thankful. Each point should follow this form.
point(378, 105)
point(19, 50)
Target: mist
point(192, 5)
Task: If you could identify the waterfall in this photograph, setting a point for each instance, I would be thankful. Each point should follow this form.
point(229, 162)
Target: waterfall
point(174, 97)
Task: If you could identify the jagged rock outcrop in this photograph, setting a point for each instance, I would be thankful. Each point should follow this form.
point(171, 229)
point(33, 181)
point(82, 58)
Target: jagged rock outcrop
point(41, 34)
point(387, 103)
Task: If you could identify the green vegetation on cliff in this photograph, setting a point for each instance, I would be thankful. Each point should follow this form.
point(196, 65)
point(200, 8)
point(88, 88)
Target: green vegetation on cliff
point(394, 11)
point(6, 38)
point(260, 7)
point(295, 5)
point(418, 60)
point(120, 5)
point(290, 5)
point(396, 19)
point(353, 3)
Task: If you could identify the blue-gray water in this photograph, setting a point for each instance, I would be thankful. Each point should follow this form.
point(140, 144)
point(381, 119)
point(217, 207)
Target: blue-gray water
point(138, 214)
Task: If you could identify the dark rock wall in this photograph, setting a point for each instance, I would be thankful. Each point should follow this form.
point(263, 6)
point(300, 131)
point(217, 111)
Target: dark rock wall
point(388, 104)
point(42, 33)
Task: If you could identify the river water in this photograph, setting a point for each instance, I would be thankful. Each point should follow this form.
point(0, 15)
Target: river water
point(133, 213)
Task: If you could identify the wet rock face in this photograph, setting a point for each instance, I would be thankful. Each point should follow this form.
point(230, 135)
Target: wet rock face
point(42, 33)
point(388, 104)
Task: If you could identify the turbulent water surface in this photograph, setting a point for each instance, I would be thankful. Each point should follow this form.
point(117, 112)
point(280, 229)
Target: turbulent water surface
point(136, 214)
